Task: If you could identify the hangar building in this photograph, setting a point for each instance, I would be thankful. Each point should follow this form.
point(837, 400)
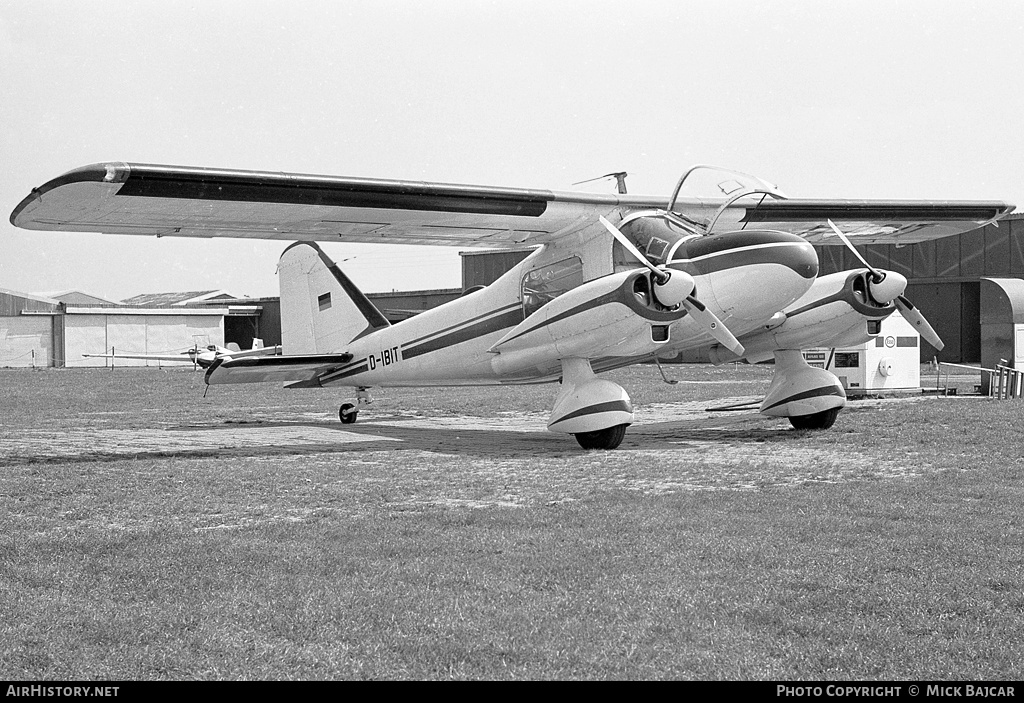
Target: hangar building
point(42, 331)
point(945, 278)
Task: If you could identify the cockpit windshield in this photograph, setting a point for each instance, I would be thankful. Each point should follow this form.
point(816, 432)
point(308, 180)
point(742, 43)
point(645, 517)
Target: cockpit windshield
point(712, 182)
point(715, 183)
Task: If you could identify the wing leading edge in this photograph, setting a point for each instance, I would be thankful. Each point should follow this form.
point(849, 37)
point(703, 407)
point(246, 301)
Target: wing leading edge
point(146, 199)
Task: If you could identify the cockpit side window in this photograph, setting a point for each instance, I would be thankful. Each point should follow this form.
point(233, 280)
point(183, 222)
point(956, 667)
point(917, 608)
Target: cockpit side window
point(545, 283)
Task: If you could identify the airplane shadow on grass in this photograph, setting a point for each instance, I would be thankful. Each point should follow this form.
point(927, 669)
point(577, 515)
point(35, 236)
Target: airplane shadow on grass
point(270, 437)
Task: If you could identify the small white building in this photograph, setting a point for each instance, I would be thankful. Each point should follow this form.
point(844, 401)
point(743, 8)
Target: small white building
point(889, 362)
point(48, 331)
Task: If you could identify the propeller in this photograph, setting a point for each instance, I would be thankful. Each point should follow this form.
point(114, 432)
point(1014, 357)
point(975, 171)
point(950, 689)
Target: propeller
point(674, 287)
point(193, 354)
point(888, 287)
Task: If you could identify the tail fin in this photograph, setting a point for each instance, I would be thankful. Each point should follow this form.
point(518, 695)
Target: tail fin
point(321, 309)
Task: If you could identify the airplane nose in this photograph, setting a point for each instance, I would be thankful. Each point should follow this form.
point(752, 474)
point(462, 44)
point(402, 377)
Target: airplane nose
point(752, 274)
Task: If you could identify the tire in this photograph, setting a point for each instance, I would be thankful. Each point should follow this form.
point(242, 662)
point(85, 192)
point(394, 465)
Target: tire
point(347, 413)
point(815, 421)
point(608, 438)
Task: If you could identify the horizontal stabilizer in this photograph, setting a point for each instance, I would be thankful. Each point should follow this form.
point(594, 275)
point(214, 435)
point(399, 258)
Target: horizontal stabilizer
point(183, 357)
point(256, 351)
point(305, 368)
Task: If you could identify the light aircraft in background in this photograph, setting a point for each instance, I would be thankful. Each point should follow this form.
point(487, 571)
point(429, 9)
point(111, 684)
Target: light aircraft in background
point(614, 279)
point(202, 357)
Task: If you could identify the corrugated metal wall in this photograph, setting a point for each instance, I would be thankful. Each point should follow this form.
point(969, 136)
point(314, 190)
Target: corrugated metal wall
point(484, 268)
point(945, 279)
point(29, 340)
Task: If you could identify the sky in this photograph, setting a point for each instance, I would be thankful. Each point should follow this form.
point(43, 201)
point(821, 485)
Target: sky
point(864, 99)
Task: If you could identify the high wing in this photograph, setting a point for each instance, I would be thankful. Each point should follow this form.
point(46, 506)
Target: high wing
point(145, 199)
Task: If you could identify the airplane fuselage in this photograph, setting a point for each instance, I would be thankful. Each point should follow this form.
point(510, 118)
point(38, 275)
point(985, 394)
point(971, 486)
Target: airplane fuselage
point(744, 278)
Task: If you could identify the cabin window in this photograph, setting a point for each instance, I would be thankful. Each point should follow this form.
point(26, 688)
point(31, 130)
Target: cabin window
point(545, 283)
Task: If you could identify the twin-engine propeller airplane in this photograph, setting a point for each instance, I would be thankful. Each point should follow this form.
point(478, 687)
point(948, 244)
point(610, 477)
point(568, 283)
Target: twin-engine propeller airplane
point(203, 357)
point(614, 279)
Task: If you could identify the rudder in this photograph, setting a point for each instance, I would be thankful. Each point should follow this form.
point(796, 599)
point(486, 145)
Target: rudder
point(321, 309)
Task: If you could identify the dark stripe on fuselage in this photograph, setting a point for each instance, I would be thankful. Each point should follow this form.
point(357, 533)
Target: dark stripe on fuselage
point(622, 295)
point(815, 393)
point(495, 321)
point(510, 318)
point(500, 311)
point(200, 184)
point(726, 251)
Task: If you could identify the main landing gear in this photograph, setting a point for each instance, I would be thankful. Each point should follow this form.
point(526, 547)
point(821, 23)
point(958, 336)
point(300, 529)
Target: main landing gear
point(815, 421)
point(595, 411)
point(810, 397)
point(609, 438)
point(348, 412)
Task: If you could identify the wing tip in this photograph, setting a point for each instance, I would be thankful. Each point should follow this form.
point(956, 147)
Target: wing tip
point(101, 172)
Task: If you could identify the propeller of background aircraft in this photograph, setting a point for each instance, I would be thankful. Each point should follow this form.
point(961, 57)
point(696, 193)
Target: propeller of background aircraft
point(888, 286)
point(674, 287)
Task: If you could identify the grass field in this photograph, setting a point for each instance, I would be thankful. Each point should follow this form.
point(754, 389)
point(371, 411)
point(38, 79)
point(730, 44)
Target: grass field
point(724, 546)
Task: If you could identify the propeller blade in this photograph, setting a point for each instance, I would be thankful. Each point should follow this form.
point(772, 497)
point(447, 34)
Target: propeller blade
point(713, 325)
point(846, 240)
point(913, 315)
point(631, 248)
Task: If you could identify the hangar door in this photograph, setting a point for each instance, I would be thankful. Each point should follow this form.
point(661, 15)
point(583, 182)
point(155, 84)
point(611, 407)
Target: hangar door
point(138, 334)
point(26, 340)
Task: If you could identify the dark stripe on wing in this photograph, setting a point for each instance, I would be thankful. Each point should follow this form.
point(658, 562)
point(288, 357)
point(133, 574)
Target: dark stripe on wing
point(789, 211)
point(212, 184)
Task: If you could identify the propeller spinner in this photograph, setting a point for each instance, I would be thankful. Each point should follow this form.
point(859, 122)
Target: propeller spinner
point(888, 287)
point(674, 287)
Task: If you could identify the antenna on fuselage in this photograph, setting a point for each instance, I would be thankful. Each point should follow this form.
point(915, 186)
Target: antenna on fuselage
point(620, 180)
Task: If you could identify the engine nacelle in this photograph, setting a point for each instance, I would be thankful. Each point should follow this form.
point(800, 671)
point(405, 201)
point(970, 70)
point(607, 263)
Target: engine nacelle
point(835, 309)
point(613, 315)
